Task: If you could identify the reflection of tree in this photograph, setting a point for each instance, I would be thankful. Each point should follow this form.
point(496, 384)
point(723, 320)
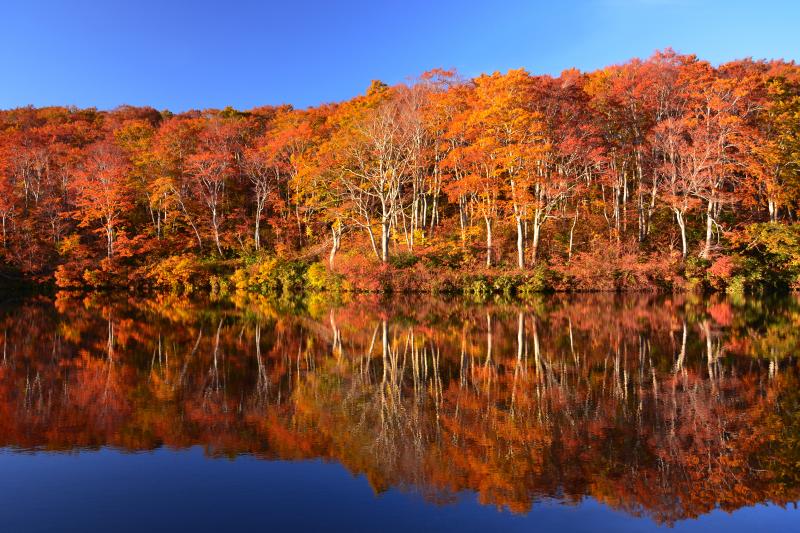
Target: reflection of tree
point(659, 406)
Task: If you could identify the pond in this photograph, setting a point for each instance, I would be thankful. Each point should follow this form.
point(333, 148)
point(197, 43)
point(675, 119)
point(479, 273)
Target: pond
point(630, 412)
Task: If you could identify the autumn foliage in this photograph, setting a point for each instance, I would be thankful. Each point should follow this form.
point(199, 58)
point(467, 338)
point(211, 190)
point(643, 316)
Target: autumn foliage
point(639, 175)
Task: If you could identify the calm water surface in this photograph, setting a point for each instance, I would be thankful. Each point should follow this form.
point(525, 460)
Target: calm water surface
point(568, 413)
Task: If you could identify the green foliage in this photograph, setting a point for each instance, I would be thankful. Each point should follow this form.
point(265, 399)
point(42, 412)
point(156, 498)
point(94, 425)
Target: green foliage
point(737, 286)
point(219, 286)
point(272, 275)
point(695, 270)
point(320, 278)
point(403, 260)
point(539, 280)
point(506, 284)
point(477, 286)
point(770, 256)
point(445, 258)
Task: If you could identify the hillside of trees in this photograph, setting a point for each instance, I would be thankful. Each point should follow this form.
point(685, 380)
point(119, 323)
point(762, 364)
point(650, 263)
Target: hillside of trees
point(666, 173)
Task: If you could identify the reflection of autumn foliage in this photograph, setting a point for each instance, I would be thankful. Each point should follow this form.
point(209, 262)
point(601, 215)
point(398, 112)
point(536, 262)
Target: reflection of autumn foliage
point(658, 406)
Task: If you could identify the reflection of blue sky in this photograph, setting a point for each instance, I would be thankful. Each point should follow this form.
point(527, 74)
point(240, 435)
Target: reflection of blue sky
point(179, 55)
point(169, 490)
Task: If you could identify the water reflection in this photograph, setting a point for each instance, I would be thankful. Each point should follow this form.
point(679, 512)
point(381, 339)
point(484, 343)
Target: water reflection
point(666, 407)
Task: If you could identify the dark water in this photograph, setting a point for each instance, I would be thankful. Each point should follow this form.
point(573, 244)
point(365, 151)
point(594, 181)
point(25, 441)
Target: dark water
point(579, 413)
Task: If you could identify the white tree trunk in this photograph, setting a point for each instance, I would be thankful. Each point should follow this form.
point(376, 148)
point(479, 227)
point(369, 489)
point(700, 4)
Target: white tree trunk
point(337, 236)
point(571, 234)
point(709, 230)
point(682, 227)
point(488, 241)
point(385, 240)
point(773, 210)
point(520, 245)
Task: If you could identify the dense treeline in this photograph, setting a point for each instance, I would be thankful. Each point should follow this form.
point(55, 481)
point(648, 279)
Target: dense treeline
point(667, 172)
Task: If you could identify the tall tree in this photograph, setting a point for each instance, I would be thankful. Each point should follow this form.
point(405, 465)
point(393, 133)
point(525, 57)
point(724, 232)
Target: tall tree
point(102, 191)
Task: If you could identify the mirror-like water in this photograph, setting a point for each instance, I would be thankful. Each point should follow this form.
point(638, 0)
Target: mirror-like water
point(632, 412)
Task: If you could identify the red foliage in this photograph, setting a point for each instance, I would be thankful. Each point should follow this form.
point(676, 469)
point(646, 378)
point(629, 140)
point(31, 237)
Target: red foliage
point(595, 176)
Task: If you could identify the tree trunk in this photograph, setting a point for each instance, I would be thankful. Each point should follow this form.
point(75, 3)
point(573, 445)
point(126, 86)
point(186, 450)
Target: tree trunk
point(462, 220)
point(488, 241)
point(192, 224)
point(773, 210)
point(110, 237)
point(372, 241)
point(196, 234)
point(424, 210)
point(642, 216)
point(337, 236)
point(537, 225)
point(520, 245)
point(434, 211)
point(709, 230)
point(299, 223)
point(216, 239)
point(572, 233)
point(652, 205)
point(257, 232)
point(385, 240)
point(682, 226)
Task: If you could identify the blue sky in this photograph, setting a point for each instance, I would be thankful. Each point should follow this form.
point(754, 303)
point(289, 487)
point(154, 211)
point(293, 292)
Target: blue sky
point(181, 55)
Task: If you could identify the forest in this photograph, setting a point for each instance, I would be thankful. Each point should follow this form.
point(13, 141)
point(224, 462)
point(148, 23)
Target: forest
point(667, 173)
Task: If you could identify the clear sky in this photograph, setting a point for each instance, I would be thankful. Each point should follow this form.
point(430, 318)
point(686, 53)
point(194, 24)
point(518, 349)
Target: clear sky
point(189, 54)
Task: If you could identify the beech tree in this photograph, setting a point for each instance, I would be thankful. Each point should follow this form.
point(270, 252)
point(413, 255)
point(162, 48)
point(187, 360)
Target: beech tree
point(376, 169)
point(102, 191)
point(715, 125)
point(513, 135)
point(264, 171)
point(211, 167)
